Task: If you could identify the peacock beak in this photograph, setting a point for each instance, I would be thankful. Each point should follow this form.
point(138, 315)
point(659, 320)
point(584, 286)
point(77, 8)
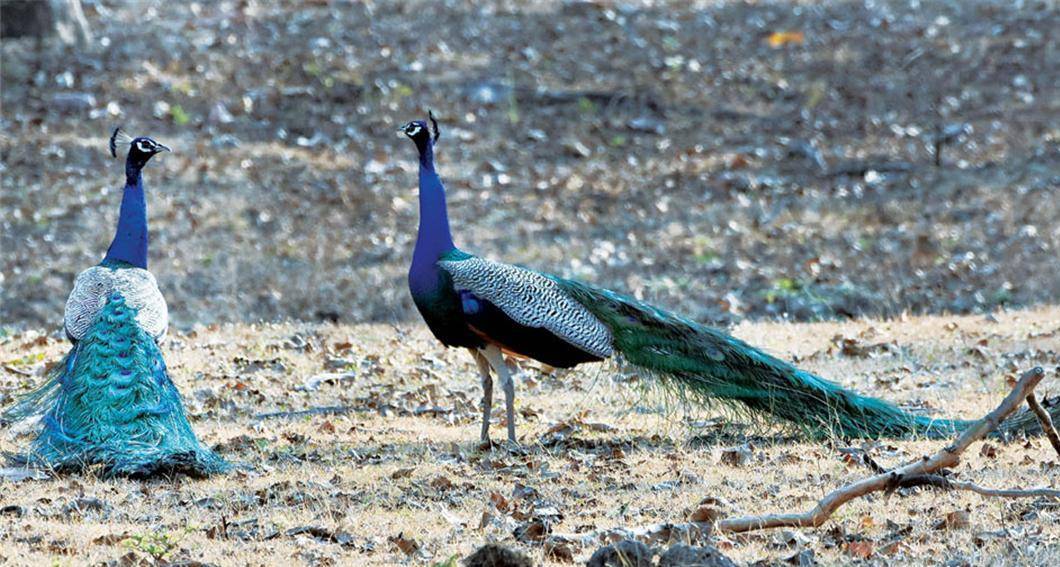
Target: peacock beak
point(163, 148)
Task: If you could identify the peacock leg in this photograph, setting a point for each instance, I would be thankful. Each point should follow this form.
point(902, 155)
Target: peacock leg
point(487, 393)
point(496, 360)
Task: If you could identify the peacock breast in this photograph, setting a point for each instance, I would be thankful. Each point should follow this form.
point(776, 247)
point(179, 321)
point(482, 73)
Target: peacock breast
point(439, 305)
point(93, 287)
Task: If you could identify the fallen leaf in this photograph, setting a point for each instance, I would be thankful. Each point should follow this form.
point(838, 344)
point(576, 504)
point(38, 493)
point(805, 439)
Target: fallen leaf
point(533, 531)
point(782, 38)
point(558, 550)
point(956, 520)
point(895, 547)
point(859, 549)
point(706, 514)
point(441, 482)
point(736, 456)
point(989, 451)
point(111, 539)
point(406, 545)
point(499, 501)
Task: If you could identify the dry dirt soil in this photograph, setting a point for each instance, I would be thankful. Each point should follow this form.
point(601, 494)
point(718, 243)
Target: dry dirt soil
point(384, 468)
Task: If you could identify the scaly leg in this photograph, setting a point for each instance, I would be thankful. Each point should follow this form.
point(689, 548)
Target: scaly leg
point(487, 393)
point(496, 360)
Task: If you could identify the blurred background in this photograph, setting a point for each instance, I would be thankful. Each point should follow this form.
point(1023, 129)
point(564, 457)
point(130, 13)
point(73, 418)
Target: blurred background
point(724, 159)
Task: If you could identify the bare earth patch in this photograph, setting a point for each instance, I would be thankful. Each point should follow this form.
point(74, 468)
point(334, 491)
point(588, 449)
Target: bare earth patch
point(385, 470)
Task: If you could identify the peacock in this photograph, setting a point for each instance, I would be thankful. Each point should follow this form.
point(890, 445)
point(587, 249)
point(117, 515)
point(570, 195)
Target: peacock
point(110, 405)
point(495, 309)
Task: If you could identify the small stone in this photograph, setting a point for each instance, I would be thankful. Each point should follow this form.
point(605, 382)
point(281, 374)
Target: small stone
point(682, 555)
point(13, 510)
point(626, 553)
point(219, 114)
point(577, 149)
point(495, 555)
point(73, 102)
point(804, 558)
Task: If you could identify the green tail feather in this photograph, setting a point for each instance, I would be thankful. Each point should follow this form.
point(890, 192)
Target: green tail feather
point(39, 400)
point(709, 365)
point(111, 404)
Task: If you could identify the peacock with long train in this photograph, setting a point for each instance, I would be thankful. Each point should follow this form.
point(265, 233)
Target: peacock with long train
point(493, 309)
point(110, 404)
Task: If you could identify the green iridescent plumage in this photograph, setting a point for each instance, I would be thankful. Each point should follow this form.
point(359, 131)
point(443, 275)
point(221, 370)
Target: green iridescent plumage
point(708, 365)
point(110, 404)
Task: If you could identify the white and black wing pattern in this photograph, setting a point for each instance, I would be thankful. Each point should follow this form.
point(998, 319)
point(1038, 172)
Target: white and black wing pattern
point(94, 285)
point(532, 300)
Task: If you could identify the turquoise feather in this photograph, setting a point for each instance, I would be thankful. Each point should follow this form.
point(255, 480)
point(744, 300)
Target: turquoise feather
point(111, 404)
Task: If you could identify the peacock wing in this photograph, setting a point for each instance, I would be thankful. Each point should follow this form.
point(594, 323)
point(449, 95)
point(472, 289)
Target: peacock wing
point(93, 286)
point(530, 299)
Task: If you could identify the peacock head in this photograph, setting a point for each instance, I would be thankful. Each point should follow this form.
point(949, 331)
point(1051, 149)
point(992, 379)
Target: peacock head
point(141, 149)
point(420, 133)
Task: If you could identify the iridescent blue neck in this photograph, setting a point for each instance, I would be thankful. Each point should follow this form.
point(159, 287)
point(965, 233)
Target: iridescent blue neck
point(130, 239)
point(434, 238)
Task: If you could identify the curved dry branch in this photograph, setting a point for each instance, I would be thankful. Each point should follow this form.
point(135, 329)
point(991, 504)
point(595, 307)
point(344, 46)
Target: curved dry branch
point(930, 465)
point(1045, 420)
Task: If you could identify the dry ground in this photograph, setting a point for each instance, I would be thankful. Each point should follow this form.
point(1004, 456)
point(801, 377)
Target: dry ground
point(600, 452)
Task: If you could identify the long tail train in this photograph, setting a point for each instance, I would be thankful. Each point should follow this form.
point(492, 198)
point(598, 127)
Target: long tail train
point(709, 365)
point(111, 404)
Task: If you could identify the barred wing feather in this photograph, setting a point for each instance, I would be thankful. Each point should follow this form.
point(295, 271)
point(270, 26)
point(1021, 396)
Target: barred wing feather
point(531, 299)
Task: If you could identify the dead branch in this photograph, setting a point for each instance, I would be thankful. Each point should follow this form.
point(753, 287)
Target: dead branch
point(939, 481)
point(319, 410)
point(18, 371)
point(1045, 420)
point(947, 457)
point(1006, 492)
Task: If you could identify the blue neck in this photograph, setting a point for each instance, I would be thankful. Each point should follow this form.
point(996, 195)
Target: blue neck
point(130, 240)
point(434, 238)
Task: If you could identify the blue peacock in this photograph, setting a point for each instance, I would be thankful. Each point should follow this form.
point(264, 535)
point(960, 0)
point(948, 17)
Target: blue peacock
point(110, 405)
point(493, 309)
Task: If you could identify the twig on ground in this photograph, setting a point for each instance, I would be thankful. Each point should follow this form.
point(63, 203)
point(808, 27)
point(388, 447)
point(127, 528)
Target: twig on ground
point(930, 465)
point(942, 481)
point(320, 410)
point(18, 371)
point(939, 481)
point(1045, 420)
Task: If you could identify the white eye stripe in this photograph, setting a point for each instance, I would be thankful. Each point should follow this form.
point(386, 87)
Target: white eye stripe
point(143, 146)
point(413, 129)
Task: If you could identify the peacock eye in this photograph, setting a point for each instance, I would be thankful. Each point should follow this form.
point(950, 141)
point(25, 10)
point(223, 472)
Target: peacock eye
point(143, 146)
